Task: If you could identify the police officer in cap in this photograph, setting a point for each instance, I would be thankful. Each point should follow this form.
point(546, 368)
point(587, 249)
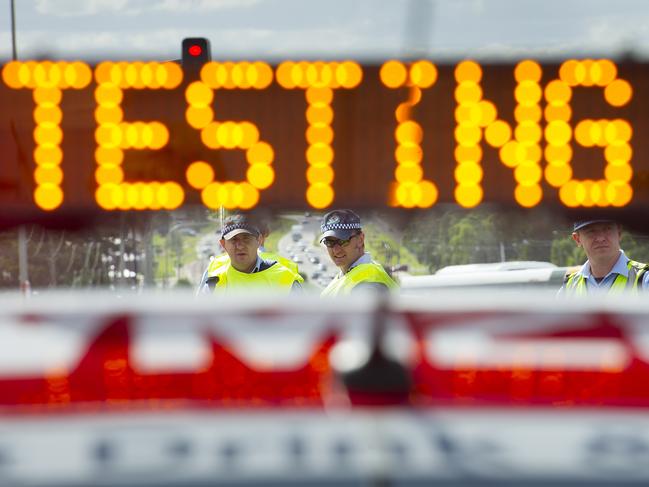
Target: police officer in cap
point(244, 268)
point(344, 239)
point(224, 259)
point(607, 269)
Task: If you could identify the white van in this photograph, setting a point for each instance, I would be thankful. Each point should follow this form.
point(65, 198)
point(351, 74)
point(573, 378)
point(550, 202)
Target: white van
point(503, 274)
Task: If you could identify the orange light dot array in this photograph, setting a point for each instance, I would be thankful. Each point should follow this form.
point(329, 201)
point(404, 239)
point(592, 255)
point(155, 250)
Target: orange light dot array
point(409, 188)
point(614, 136)
point(472, 115)
point(527, 152)
point(319, 79)
point(47, 79)
point(140, 196)
point(237, 75)
point(319, 74)
point(114, 136)
point(519, 150)
point(229, 135)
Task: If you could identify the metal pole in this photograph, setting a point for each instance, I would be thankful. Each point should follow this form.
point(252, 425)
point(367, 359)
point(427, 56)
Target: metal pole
point(14, 55)
point(23, 274)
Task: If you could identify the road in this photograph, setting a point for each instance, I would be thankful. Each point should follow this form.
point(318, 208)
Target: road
point(301, 246)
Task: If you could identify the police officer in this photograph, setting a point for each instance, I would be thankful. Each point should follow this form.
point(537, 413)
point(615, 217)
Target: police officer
point(607, 269)
point(244, 268)
point(344, 239)
point(224, 259)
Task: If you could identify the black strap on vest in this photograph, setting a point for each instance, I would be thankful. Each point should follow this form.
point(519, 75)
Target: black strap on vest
point(567, 277)
point(638, 272)
point(212, 282)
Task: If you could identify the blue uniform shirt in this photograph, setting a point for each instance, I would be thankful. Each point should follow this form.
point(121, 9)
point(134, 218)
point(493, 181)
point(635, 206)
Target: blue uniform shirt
point(620, 267)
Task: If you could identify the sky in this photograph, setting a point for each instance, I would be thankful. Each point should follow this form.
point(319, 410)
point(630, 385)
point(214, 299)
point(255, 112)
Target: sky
point(332, 29)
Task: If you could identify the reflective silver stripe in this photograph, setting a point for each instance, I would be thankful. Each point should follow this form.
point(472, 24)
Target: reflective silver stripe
point(630, 280)
point(573, 281)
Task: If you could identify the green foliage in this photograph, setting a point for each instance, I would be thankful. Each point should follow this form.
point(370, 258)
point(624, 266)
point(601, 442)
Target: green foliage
point(278, 228)
point(566, 253)
point(9, 259)
point(184, 283)
point(636, 247)
point(388, 251)
point(172, 251)
point(454, 236)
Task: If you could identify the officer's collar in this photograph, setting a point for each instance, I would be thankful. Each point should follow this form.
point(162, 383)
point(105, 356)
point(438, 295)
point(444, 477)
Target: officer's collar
point(620, 267)
point(366, 258)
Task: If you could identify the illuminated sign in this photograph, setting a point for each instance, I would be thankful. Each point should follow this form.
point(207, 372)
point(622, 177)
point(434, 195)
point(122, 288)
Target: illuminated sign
point(142, 135)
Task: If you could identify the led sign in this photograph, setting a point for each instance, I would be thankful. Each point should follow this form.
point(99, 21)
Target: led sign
point(147, 136)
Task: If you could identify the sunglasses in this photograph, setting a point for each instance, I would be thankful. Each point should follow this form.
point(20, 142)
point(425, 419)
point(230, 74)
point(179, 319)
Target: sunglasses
point(332, 242)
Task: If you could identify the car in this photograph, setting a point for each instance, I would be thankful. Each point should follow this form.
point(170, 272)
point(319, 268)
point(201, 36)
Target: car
point(322, 267)
point(315, 275)
point(314, 260)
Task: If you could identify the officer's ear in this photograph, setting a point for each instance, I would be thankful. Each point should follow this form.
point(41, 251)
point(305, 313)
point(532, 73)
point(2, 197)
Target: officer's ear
point(361, 238)
point(222, 242)
point(576, 238)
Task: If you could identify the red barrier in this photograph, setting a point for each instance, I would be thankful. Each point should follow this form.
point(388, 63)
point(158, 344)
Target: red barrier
point(502, 358)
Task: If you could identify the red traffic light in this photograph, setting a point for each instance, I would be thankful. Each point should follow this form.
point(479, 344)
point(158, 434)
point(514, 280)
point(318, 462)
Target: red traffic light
point(195, 53)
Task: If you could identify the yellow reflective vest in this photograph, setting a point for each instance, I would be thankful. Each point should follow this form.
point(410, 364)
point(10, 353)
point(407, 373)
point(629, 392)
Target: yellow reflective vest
point(223, 260)
point(575, 283)
point(288, 263)
point(216, 264)
point(362, 273)
point(274, 278)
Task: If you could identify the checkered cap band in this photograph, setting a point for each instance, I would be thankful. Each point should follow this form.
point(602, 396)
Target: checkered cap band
point(325, 227)
point(240, 226)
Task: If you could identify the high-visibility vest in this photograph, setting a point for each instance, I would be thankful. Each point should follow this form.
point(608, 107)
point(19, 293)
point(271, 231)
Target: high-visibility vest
point(362, 273)
point(575, 283)
point(223, 260)
point(282, 260)
point(216, 264)
point(274, 278)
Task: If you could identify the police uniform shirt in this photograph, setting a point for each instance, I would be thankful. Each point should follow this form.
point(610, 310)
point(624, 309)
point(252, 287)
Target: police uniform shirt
point(366, 258)
point(620, 267)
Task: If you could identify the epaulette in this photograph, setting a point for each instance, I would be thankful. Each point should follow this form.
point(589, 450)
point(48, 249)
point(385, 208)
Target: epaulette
point(211, 282)
point(570, 271)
